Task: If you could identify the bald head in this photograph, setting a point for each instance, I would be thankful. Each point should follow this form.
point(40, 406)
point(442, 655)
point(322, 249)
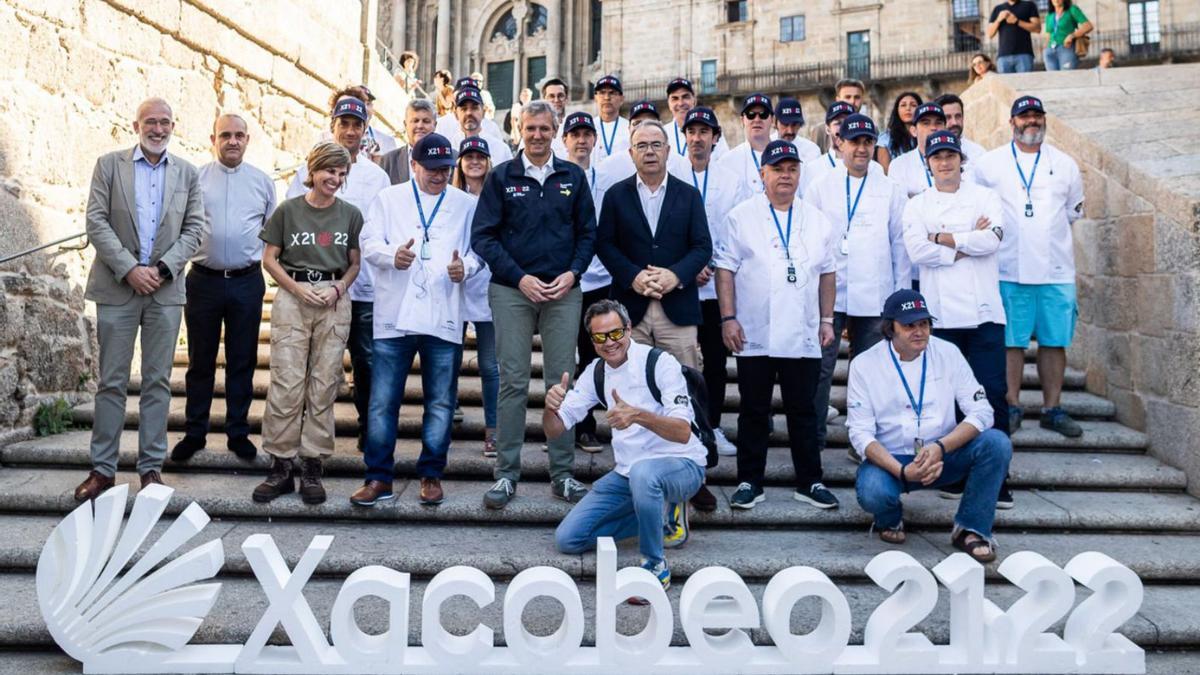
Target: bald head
point(154, 124)
point(230, 137)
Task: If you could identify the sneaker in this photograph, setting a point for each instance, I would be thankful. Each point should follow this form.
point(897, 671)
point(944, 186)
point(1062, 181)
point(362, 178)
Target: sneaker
point(489, 446)
point(660, 572)
point(1005, 500)
point(954, 491)
point(818, 495)
point(677, 528)
point(853, 455)
point(280, 481)
point(831, 414)
point(311, 489)
point(568, 489)
point(500, 494)
point(746, 496)
point(186, 447)
point(704, 500)
point(724, 447)
point(243, 447)
point(1057, 419)
point(1016, 415)
point(588, 442)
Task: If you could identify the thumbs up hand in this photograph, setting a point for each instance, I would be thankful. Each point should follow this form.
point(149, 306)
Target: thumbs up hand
point(456, 269)
point(556, 394)
point(621, 415)
point(405, 255)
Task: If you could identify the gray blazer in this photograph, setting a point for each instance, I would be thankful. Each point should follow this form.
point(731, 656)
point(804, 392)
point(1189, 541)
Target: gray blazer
point(112, 228)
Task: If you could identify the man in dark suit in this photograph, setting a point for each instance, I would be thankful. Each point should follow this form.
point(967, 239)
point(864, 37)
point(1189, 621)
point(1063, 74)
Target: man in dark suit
point(653, 237)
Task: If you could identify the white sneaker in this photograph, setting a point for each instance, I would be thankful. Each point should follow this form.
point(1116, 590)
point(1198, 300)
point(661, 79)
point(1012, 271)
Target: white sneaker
point(831, 414)
point(724, 447)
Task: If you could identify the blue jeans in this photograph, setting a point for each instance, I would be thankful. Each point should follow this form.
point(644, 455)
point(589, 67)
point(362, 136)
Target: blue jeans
point(362, 328)
point(392, 360)
point(1014, 63)
point(621, 507)
point(489, 369)
point(1060, 58)
point(983, 347)
point(983, 463)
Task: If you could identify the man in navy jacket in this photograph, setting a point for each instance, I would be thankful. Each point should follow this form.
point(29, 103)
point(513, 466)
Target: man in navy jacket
point(535, 226)
point(653, 237)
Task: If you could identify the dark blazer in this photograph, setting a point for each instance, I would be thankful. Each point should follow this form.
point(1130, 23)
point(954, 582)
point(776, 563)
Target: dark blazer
point(681, 243)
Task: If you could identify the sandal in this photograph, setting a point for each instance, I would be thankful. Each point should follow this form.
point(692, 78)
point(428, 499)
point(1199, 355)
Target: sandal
point(973, 548)
point(893, 535)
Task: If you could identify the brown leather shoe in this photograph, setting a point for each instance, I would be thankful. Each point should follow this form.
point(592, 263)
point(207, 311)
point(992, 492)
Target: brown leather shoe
point(151, 478)
point(371, 493)
point(92, 486)
point(431, 492)
point(704, 500)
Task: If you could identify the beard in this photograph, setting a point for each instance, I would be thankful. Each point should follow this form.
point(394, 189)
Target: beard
point(1031, 135)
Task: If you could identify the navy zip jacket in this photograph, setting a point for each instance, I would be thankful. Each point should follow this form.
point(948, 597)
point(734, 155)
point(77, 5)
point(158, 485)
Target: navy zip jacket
point(522, 227)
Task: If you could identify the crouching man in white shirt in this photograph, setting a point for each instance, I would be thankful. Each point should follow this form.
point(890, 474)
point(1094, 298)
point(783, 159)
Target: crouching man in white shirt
point(901, 399)
point(659, 460)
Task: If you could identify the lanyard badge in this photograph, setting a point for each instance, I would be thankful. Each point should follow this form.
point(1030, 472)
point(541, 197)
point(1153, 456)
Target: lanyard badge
point(916, 403)
point(786, 240)
point(1027, 184)
point(850, 211)
point(426, 251)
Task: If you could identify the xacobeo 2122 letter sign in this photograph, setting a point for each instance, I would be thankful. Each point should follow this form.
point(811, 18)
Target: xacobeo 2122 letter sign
point(118, 611)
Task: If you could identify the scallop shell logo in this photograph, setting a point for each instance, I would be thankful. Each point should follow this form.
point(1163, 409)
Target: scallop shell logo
point(105, 592)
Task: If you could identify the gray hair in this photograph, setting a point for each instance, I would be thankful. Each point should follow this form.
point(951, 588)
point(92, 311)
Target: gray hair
point(421, 105)
point(649, 124)
point(603, 307)
point(540, 107)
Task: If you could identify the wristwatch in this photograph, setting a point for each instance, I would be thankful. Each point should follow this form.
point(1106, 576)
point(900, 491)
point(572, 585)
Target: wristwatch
point(731, 317)
point(941, 445)
point(163, 270)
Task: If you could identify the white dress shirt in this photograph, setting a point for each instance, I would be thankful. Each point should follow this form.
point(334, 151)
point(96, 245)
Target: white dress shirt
point(363, 183)
point(780, 318)
point(878, 408)
point(596, 275)
point(1037, 249)
point(237, 203)
point(637, 443)
point(961, 293)
point(652, 201)
point(871, 260)
point(616, 134)
point(678, 142)
point(721, 190)
point(538, 173)
point(421, 300)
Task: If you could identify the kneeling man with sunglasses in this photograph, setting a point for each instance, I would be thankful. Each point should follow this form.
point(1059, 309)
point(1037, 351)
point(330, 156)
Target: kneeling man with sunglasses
point(659, 460)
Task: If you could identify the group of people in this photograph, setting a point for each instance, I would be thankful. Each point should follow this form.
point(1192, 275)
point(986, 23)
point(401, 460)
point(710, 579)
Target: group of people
point(670, 249)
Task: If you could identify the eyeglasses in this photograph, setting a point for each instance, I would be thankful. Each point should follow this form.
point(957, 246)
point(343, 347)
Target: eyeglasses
point(759, 115)
point(615, 335)
point(655, 146)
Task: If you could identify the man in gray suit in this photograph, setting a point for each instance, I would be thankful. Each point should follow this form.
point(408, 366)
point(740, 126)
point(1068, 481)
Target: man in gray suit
point(145, 217)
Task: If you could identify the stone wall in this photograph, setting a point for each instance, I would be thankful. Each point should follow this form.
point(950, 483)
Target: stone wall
point(1135, 134)
point(74, 70)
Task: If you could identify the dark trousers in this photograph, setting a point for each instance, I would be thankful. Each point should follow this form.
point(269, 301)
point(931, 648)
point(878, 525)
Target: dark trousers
point(362, 332)
point(587, 354)
point(714, 355)
point(237, 303)
point(797, 380)
point(864, 333)
point(983, 347)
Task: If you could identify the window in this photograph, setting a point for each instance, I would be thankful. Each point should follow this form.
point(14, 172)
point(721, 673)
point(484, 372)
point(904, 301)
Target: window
point(506, 27)
point(858, 55)
point(965, 9)
point(708, 76)
point(597, 29)
point(737, 10)
point(537, 20)
point(1144, 34)
point(1043, 7)
point(791, 28)
point(966, 37)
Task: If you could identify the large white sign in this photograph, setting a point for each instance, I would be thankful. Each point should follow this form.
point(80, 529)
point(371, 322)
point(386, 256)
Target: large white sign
point(117, 612)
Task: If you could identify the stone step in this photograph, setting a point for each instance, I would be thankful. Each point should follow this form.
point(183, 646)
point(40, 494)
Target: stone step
point(224, 496)
point(1097, 434)
point(1030, 468)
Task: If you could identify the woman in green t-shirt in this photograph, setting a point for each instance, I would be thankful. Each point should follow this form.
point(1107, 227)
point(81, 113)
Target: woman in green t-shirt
point(312, 253)
point(1064, 24)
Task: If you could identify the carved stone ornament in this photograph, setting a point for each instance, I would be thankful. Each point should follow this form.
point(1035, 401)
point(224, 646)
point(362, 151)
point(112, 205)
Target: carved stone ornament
point(119, 611)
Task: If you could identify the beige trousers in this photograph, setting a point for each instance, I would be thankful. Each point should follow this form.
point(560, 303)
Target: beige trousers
point(656, 330)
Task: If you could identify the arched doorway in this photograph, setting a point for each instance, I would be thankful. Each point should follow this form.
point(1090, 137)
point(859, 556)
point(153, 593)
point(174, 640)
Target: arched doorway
point(514, 50)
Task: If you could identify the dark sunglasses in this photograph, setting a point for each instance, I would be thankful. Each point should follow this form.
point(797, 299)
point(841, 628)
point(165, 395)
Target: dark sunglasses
point(615, 335)
point(757, 115)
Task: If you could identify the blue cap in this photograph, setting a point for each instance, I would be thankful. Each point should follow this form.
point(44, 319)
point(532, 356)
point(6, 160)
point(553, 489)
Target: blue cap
point(610, 81)
point(858, 125)
point(789, 111)
point(576, 120)
point(906, 306)
point(757, 99)
point(702, 115)
point(352, 107)
point(466, 83)
point(779, 151)
point(474, 144)
point(643, 107)
point(942, 140)
point(927, 109)
point(837, 109)
point(468, 94)
point(680, 83)
point(1027, 103)
point(433, 152)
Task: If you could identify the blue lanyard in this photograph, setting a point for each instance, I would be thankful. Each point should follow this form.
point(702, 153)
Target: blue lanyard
point(917, 404)
point(832, 165)
point(608, 142)
point(785, 239)
point(704, 190)
point(1027, 184)
point(592, 186)
point(678, 146)
point(754, 156)
point(426, 224)
point(850, 210)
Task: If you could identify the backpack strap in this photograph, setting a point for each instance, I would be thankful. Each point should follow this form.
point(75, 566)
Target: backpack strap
point(651, 364)
point(598, 381)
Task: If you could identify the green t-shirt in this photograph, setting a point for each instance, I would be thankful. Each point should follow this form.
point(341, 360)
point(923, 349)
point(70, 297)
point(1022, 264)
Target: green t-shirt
point(312, 238)
point(1058, 30)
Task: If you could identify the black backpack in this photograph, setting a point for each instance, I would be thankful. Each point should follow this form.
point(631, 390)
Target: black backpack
point(697, 391)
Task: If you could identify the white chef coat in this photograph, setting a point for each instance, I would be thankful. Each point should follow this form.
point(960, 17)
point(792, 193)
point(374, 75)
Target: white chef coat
point(617, 134)
point(421, 300)
point(595, 276)
point(780, 319)
point(678, 142)
point(447, 123)
point(745, 161)
point(637, 443)
point(1037, 250)
point(363, 183)
point(910, 172)
point(876, 264)
point(973, 150)
point(496, 146)
point(961, 293)
point(721, 190)
point(807, 149)
point(815, 170)
point(878, 408)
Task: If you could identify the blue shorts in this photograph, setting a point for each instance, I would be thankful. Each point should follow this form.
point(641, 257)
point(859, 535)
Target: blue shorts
point(1044, 311)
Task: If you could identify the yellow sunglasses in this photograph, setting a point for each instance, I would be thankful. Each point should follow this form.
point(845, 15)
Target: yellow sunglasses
point(614, 335)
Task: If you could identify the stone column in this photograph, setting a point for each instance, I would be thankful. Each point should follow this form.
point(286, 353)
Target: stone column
point(442, 58)
point(553, 37)
point(399, 26)
point(519, 11)
point(368, 22)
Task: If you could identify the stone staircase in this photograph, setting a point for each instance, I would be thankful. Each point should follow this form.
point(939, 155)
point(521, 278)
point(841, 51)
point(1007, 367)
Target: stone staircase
point(1099, 492)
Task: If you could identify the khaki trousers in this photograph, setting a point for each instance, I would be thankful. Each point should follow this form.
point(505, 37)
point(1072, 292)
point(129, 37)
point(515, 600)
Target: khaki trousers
point(656, 330)
point(306, 368)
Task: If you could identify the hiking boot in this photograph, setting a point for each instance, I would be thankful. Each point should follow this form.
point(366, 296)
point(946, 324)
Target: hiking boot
point(311, 490)
point(280, 481)
point(818, 495)
point(500, 494)
point(1057, 419)
point(568, 489)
